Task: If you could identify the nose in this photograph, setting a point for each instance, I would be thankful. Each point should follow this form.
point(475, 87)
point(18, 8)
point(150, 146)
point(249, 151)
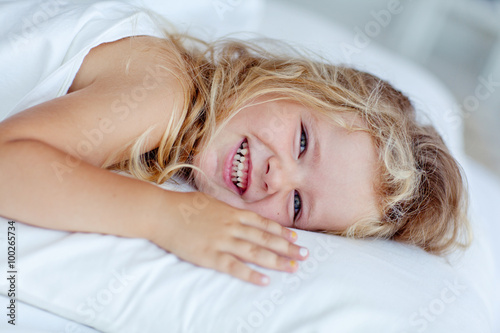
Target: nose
point(280, 175)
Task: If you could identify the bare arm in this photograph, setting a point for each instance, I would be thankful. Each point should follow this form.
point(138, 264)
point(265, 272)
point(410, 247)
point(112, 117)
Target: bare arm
point(50, 157)
point(50, 154)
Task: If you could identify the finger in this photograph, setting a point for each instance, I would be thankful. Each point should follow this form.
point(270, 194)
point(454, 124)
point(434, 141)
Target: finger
point(227, 263)
point(271, 241)
point(254, 219)
point(256, 254)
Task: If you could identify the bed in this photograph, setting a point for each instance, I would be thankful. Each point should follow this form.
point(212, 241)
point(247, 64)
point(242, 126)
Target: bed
point(75, 282)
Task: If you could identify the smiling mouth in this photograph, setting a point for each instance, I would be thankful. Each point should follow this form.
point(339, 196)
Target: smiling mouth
point(239, 172)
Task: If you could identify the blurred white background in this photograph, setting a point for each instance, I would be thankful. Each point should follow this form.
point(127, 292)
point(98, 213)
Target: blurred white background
point(457, 40)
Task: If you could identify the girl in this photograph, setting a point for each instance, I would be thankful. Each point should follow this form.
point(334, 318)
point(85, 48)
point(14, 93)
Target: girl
point(271, 141)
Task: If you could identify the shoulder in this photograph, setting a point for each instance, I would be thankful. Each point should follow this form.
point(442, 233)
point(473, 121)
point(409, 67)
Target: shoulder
point(124, 61)
point(123, 90)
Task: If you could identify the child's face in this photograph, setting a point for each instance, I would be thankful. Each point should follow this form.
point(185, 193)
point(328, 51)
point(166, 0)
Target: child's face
point(323, 176)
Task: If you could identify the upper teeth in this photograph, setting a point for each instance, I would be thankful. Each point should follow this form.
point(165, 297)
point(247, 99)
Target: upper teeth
point(239, 174)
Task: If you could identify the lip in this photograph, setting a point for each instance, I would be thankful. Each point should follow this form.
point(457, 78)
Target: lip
point(249, 171)
point(228, 168)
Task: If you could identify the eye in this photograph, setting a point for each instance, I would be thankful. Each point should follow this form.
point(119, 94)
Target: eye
point(297, 200)
point(303, 139)
point(297, 205)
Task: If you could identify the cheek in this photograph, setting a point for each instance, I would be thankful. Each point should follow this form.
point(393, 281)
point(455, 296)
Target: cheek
point(268, 210)
point(272, 128)
point(266, 134)
point(207, 163)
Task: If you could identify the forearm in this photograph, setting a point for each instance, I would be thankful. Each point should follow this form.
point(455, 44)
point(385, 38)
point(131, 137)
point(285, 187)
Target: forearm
point(41, 188)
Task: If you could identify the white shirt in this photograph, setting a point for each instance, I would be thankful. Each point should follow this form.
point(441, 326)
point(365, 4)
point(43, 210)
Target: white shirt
point(43, 44)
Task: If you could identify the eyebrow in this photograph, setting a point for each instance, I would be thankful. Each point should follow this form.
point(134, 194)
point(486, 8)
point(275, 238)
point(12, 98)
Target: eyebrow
point(315, 163)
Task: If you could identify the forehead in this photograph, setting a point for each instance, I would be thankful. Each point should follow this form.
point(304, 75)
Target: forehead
point(342, 184)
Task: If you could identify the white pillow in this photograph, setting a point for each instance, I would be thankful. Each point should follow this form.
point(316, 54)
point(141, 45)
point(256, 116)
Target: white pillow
point(130, 285)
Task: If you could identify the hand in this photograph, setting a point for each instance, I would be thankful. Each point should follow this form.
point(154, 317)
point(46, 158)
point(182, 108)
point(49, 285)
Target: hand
point(210, 233)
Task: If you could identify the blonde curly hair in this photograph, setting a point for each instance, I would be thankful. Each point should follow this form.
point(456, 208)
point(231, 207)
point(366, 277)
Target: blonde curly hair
point(421, 190)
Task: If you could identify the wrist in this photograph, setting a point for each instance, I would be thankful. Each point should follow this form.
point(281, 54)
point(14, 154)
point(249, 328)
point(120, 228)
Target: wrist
point(169, 208)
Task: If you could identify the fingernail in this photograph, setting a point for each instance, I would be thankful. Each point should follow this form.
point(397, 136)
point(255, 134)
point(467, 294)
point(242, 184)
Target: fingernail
point(293, 263)
point(303, 252)
point(294, 235)
point(265, 280)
